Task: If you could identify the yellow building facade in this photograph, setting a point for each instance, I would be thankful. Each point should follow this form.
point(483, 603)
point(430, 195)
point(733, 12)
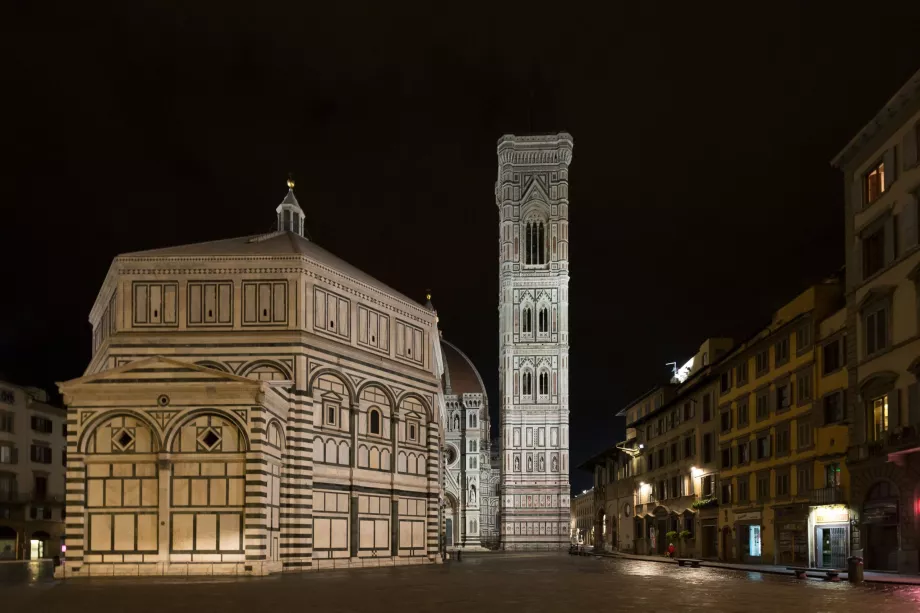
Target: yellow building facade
point(770, 422)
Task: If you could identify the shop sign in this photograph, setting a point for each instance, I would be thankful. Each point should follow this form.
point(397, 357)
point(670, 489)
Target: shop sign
point(832, 515)
point(881, 513)
point(747, 516)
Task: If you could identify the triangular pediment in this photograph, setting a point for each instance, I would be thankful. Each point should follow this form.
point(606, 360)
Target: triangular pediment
point(535, 191)
point(158, 370)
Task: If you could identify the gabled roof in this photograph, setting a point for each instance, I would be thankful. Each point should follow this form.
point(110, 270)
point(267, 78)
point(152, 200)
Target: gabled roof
point(275, 243)
point(155, 369)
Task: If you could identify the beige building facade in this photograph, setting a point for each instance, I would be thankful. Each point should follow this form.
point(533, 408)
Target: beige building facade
point(882, 183)
point(32, 461)
point(253, 405)
point(582, 524)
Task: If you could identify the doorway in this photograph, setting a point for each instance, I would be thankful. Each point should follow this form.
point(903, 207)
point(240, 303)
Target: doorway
point(831, 543)
point(449, 530)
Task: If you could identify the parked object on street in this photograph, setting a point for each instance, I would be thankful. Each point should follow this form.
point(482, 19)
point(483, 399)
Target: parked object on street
point(831, 574)
point(855, 569)
point(688, 562)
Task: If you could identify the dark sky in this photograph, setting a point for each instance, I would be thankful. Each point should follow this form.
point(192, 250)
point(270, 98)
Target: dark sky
point(701, 192)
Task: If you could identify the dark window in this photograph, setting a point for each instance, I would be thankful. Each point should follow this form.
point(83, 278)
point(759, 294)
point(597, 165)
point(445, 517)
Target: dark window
point(873, 248)
point(535, 243)
point(544, 383)
point(543, 321)
point(707, 407)
point(743, 453)
point(674, 457)
point(783, 397)
point(41, 454)
point(802, 338)
point(63, 457)
point(744, 411)
point(763, 362)
point(763, 447)
point(803, 482)
point(726, 493)
point(526, 384)
point(41, 487)
point(375, 421)
point(782, 440)
point(675, 490)
point(804, 435)
point(725, 381)
point(833, 356)
point(781, 352)
point(833, 408)
point(689, 411)
point(876, 328)
point(527, 321)
point(726, 420)
point(782, 484)
point(763, 487)
point(763, 406)
point(708, 485)
point(707, 448)
point(661, 457)
point(413, 434)
point(6, 421)
point(803, 387)
point(47, 513)
point(741, 373)
point(743, 485)
point(688, 447)
point(42, 424)
point(727, 458)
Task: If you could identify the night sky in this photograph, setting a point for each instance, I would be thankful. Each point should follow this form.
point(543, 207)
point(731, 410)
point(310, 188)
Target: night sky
point(702, 197)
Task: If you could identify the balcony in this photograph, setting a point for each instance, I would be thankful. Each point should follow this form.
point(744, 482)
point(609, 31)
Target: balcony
point(828, 495)
point(892, 445)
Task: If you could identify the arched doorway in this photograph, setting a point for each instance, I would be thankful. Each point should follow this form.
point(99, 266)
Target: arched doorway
point(600, 530)
point(451, 521)
point(880, 526)
point(38, 545)
point(7, 543)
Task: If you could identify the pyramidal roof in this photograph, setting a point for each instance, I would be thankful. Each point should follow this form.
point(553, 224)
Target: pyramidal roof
point(279, 243)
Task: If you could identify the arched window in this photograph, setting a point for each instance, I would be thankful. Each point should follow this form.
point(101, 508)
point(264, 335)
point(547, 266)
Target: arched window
point(544, 320)
point(526, 384)
point(527, 321)
point(544, 383)
point(473, 420)
point(374, 420)
point(535, 243)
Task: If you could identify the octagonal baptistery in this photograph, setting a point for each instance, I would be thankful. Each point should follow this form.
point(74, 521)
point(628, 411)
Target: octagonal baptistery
point(252, 405)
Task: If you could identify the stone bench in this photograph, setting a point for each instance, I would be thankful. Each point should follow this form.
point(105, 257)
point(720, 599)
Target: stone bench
point(831, 574)
point(688, 562)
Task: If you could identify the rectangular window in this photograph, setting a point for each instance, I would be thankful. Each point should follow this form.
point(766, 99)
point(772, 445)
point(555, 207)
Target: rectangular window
point(660, 460)
point(741, 373)
point(707, 407)
point(803, 387)
point(879, 417)
point(675, 488)
point(803, 339)
point(40, 490)
point(783, 397)
point(688, 447)
point(763, 405)
point(7, 453)
point(331, 413)
point(803, 480)
point(781, 352)
point(782, 440)
point(874, 182)
point(726, 420)
point(875, 325)
point(832, 475)
point(763, 447)
point(804, 433)
point(6, 421)
point(744, 452)
point(725, 381)
point(833, 408)
point(743, 486)
point(782, 484)
point(41, 454)
point(707, 485)
point(726, 493)
point(413, 431)
point(42, 424)
point(744, 412)
point(674, 457)
point(873, 253)
point(763, 487)
point(689, 411)
point(726, 458)
point(833, 357)
point(707, 448)
point(762, 363)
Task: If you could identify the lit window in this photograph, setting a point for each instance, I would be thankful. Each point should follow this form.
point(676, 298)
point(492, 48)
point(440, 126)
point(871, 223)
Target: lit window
point(880, 417)
point(875, 182)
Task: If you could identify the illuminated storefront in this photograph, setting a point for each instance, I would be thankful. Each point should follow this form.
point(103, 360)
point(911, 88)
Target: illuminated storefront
point(749, 532)
point(829, 536)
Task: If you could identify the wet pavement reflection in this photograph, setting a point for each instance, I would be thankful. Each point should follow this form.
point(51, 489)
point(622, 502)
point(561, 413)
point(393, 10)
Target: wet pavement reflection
point(493, 582)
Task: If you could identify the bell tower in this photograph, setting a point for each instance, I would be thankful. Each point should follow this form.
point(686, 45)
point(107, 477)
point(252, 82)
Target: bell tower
point(532, 194)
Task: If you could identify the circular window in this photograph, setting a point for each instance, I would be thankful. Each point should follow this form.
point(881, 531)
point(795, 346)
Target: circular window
point(627, 509)
point(450, 455)
point(163, 400)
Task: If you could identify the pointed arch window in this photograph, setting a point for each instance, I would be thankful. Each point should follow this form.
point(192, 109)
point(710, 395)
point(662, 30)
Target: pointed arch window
point(527, 323)
point(456, 422)
point(544, 383)
point(374, 421)
point(543, 320)
point(527, 384)
point(535, 242)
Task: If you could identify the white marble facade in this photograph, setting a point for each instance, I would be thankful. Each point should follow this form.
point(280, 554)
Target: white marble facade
point(253, 405)
point(532, 197)
point(470, 484)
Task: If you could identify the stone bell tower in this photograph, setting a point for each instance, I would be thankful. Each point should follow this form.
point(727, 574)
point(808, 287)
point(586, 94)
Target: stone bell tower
point(532, 194)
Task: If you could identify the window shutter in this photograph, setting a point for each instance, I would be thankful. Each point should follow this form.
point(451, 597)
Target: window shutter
point(890, 169)
point(913, 404)
point(14, 456)
point(857, 192)
point(857, 262)
point(894, 409)
point(890, 243)
point(909, 222)
point(909, 149)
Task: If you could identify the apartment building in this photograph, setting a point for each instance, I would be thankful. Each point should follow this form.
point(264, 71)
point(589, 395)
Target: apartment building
point(882, 183)
point(32, 461)
point(766, 449)
point(583, 518)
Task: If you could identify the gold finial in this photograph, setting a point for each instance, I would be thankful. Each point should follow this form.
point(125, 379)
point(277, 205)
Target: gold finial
point(290, 181)
point(428, 295)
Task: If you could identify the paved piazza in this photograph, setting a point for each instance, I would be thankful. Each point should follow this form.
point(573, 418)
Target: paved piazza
point(482, 583)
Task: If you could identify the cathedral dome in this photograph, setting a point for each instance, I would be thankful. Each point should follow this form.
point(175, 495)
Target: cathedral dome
point(460, 376)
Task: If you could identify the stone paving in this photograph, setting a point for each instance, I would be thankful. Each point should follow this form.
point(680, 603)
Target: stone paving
point(481, 583)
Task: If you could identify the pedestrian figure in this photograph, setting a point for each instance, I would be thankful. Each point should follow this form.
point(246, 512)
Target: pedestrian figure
point(671, 550)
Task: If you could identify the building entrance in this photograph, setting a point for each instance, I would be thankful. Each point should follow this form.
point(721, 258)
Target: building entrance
point(831, 542)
